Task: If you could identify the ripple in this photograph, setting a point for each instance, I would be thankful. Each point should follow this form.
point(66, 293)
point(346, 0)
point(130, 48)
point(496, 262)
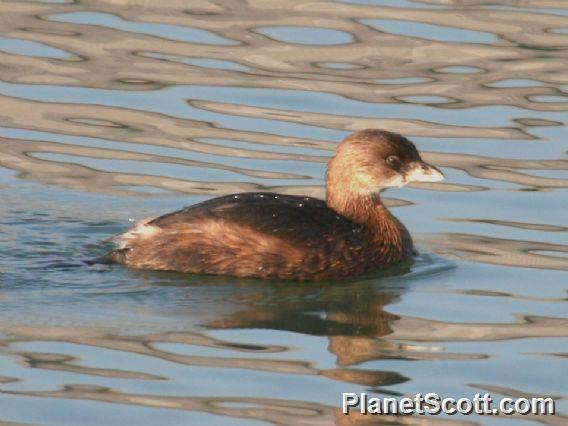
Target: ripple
point(515, 83)
point(427, 99)
point(457, 69)
point(169, 32)
point(429, 31)
point(403, 80)
point(147, 107)
point(396, 3)
point(18, 46)
point(550, 99)
point(340, 65)
point(306, 35)
point(199, 62)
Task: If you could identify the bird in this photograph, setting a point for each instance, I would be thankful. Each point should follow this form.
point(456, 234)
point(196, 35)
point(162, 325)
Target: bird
point(287, 237)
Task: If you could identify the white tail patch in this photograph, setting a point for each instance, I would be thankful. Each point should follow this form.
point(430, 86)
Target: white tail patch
point(140, 231)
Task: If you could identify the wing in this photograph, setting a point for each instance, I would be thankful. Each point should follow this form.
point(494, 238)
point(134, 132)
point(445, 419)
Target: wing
point(296, 219)
point(263, 235)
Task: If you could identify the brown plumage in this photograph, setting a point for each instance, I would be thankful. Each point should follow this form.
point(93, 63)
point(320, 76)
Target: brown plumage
point(267, 235)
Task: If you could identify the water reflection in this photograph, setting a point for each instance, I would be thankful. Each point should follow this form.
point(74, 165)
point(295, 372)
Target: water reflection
point(500, 251)
point(169, 32)
point(352, 316)
point(29, 48)
point(115, 109)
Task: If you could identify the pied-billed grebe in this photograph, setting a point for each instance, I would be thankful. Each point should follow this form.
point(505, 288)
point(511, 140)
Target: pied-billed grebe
point(267, 235)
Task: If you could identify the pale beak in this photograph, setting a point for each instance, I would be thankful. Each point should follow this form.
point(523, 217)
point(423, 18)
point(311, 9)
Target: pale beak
point(422, 172)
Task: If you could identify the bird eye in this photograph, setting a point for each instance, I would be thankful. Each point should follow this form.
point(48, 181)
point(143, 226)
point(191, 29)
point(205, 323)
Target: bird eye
point(393, 161)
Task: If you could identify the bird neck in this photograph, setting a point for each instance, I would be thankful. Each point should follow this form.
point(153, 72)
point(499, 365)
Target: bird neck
point(369, 210)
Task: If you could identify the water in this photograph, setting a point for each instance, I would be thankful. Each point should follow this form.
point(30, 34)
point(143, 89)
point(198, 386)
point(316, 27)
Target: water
point(111, 111)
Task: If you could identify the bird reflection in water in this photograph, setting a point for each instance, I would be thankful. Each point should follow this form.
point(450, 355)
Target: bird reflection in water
point(351, 313)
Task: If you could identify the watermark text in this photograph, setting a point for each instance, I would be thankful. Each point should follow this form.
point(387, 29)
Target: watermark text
point(432, 404)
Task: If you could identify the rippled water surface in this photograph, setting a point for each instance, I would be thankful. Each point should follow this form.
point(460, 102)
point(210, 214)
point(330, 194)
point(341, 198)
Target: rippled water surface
point(115, 110)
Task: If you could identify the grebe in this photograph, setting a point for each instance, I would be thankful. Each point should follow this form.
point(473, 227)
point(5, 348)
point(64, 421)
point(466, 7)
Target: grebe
point(268, 235)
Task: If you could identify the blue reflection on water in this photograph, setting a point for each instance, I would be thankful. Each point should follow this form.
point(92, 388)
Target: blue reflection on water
point(430, 31)
point(306, 35)
point(18, 46)
point(167, 31)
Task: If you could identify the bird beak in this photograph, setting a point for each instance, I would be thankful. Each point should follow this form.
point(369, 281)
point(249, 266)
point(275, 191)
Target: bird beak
point(422, 172)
